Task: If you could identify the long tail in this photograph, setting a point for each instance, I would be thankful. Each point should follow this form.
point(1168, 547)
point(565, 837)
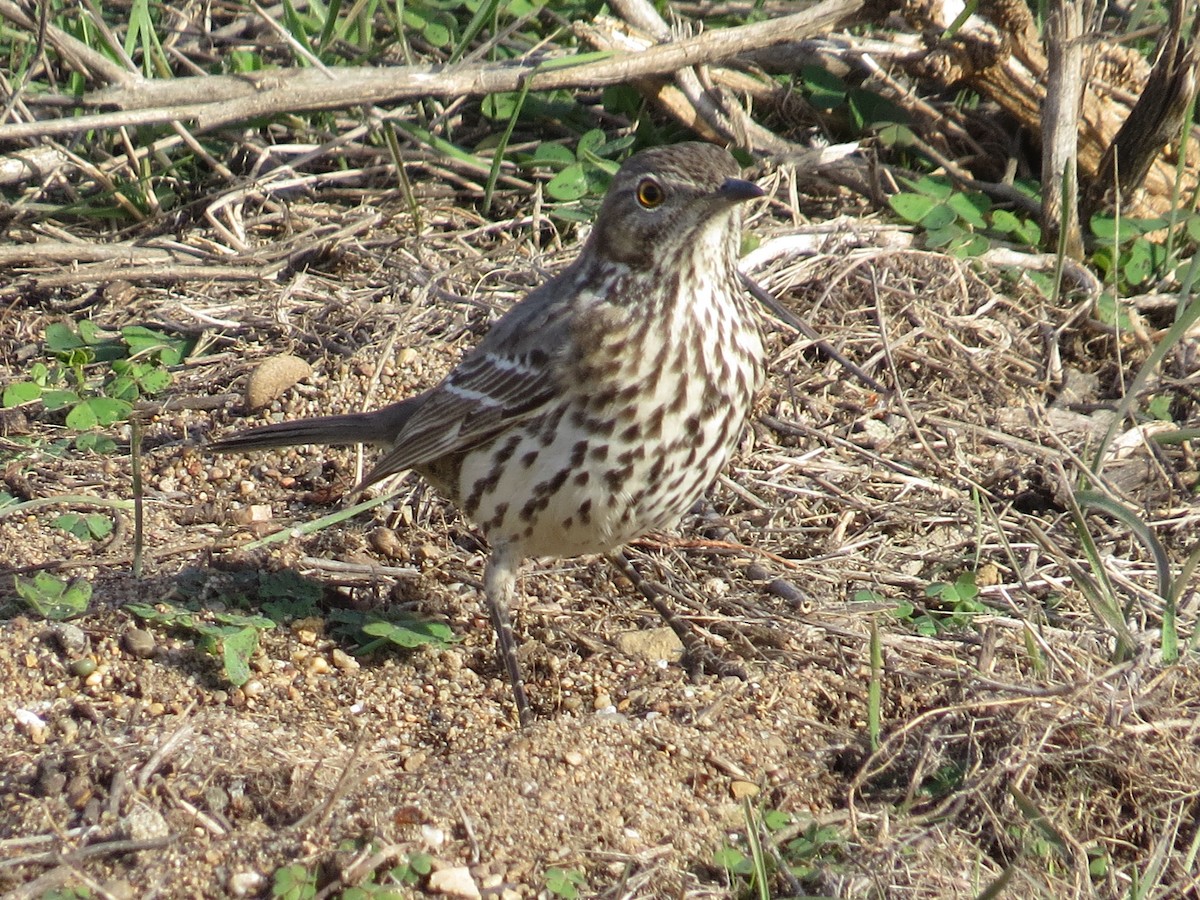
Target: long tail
point(381, 428)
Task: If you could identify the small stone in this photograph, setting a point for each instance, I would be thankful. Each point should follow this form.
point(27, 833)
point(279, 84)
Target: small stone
point(83, 667)
point(740, 789)
point(248, 515)
point(651, 644)
point(385, 542)
point(414, 761)
point(51, 782)
point(757, 572)
point(120, 889)
point(573, 758)
point(70, 639)
point(243, 884)
point(145, 823)
point(79, 791)
point(138, 642)
point(344, 660)
point(273, 377)
point(454, 882)
point(216, 798)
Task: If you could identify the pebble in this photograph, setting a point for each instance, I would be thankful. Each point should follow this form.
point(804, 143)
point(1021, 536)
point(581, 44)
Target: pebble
point(119, 889)
point(273, 377)
point(757, 572)
point(70, 639)
point(651, 644)
point(52, 782)
point(414, 761)
point(739, 789)
point(83, 667)
point(139, 642)
point(244, 884)
point(145, 823)
point(255, 512)
point(78, 791)
point(454, 882)
point(386, 543)
point(344, 660)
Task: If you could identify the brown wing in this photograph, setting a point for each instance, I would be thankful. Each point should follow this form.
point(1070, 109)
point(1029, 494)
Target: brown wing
point(510, 377)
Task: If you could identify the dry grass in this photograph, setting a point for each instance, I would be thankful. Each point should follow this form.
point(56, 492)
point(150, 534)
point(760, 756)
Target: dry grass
point(1013, 745)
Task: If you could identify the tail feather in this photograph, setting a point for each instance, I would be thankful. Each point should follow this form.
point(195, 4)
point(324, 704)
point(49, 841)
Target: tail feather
point(381, 428)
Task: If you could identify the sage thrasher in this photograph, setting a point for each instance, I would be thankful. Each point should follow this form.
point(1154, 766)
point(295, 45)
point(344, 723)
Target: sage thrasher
point(604, 403)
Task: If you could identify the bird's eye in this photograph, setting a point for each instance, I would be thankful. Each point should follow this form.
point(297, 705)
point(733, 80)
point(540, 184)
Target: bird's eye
point(650, 193)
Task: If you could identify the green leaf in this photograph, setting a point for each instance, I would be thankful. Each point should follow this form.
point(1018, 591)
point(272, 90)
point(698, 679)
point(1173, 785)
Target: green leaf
point(564, 882)
point(408, 634)
point(969, 245)
point(75, 524)
point(143, 340)
point(21, 392)
point(944, 237)
point(776, 820)
point(825, 90)
point(54, 598)
point(938, 188)
point(938, 217)
point(501, 107)
point(98, 411)
point(910, 207)
point(58, 399)
point(870, 110)
point(1111, 311)
point(124, 388)
point(1159, 407)
point(95, 442)
point(236, 650)
point(555, 156)
point(590, 142)
point(1193, 228)
point(894, 135)
point(421, 863)
point(62, 338)
point(437, 34)
point(732, 860)
point(1005, 221)
point(90, 333)
point(970, 208)
point(569, 184)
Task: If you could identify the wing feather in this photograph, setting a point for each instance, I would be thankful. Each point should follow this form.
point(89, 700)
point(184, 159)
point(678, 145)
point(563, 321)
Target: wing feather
point(510, 377)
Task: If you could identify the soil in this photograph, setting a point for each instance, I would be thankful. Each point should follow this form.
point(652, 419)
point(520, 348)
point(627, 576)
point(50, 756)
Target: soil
point(1016, 744)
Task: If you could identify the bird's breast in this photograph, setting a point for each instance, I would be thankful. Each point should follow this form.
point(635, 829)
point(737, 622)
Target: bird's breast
point(650, 409)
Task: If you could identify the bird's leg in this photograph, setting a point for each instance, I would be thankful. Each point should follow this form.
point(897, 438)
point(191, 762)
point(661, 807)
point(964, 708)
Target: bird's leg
point(499, 583)
point(698, 656)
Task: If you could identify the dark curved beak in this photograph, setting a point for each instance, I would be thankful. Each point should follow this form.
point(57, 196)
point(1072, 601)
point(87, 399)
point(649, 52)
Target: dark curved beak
point(737, 190)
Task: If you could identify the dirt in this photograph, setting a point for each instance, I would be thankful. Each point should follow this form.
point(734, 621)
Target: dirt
point(1014, 746)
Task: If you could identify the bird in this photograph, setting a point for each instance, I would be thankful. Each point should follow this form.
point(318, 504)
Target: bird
point(601, 405)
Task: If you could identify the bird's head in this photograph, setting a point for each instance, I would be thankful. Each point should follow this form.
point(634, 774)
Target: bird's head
point(668, 199)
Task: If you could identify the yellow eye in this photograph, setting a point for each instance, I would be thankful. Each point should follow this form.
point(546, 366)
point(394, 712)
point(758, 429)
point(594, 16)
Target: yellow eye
point(650, 193)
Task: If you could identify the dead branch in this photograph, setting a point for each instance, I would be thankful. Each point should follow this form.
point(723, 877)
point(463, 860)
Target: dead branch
point(215, 101)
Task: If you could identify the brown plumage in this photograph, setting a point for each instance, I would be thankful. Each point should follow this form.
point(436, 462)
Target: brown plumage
point(602, 404)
